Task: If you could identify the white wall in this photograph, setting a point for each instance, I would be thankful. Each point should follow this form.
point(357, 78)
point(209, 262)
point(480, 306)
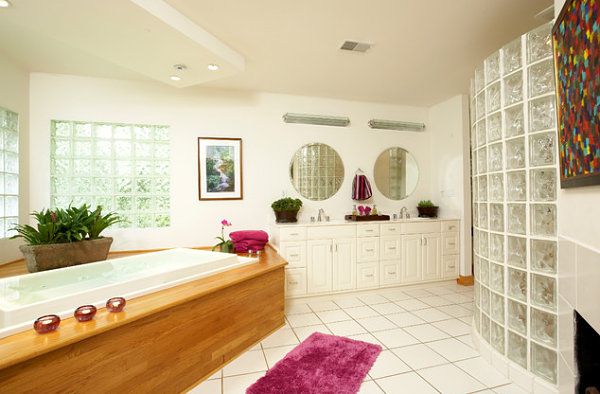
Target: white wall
point(450, 167)
point(268, 145)
point(14, 95)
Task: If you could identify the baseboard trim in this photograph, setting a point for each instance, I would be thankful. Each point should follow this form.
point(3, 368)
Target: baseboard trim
point(465, 280)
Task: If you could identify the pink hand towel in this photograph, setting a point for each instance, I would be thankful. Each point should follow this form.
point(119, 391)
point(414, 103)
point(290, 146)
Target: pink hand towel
point(243, 235)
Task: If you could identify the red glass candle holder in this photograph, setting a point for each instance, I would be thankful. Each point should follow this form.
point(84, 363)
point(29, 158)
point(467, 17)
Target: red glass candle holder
point(85, 313)
point(116, 304)
point(47, 323)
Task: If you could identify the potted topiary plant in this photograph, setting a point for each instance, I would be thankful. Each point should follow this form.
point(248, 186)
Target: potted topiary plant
point(65, 237)
point(286, 209)
point(427, 209)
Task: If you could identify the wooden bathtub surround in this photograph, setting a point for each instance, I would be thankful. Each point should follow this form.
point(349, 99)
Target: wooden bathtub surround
point(163, 342)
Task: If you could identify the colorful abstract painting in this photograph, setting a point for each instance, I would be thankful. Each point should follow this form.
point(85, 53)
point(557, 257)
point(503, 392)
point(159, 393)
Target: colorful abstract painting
point(576, 39)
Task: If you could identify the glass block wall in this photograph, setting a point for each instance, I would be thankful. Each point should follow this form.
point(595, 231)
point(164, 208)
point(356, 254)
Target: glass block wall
point(9, 171)
point(121, 167)
point(514, 186)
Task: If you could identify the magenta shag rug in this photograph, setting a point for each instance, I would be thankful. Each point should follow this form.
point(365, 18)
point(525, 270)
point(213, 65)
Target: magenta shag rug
point(321, 364)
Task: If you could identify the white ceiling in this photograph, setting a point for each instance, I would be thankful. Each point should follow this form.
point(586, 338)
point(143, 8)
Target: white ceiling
point(424, 51)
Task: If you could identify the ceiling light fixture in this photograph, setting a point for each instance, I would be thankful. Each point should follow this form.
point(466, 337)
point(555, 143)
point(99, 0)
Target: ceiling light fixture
point(322, 120)
point(395, 125)
point(180, 67)
point(175, 78)
point(213, 67)
point(4, 3)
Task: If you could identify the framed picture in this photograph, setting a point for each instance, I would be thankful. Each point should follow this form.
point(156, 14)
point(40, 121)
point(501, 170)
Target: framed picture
point(576, 42)
point(220, 168)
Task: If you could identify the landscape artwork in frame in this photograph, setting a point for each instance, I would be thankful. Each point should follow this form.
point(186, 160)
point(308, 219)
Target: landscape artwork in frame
point(576, 41)
point(220, 168)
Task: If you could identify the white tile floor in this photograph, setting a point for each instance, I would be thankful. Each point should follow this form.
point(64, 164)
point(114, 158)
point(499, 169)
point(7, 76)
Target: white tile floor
point(424, 331)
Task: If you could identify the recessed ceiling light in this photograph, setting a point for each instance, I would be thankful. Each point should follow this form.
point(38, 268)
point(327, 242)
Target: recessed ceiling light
point(213, 67)
point(4, 3)
point(175, 78)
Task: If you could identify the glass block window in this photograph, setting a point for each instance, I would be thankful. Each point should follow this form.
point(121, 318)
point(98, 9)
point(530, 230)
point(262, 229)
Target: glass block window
point(9, 171)
point(122, 167)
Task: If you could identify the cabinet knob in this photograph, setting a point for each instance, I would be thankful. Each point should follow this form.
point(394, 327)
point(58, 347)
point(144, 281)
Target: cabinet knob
point(293, 282)
point(392, 248)
point(369, 250)
point(451, 227)
point(294, 255)
point(369, 230)
point(392, 272)
point(450, 266)
point(392, 229)
point(369, 276)
point(294, 234)
point(451, 244)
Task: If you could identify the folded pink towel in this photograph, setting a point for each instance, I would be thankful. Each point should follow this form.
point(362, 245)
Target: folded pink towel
point(244, 235)
point(244, 246)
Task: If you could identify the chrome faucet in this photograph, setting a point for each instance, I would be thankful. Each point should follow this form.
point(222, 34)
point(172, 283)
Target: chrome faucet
point(404, 213)
point(321, 216)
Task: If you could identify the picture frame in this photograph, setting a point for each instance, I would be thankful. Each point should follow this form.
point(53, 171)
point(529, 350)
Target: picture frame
point(576, 50)
point(220, 168)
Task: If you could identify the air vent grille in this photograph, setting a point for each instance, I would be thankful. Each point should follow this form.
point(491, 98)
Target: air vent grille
point(355, 46)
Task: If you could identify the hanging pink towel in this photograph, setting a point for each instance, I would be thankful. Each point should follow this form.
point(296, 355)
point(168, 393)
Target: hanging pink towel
point(361, 188)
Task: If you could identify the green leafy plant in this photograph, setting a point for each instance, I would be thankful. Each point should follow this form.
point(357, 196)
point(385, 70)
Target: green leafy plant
point(425, 204)
point(287, 204)
point(66, 225)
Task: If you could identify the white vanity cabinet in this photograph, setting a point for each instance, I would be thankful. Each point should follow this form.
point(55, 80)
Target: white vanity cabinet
point(421, 255)
point(325, 258)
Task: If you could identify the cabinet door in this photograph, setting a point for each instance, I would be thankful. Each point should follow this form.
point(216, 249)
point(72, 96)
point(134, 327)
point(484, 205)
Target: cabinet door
point(295, 281)
point(431, 256)
point(294, 253)
point(368, 249)
point(367, 275)
point(318, 266)
point(411, 258)
point(344, 264)
point(389, 272)
point(390, 248)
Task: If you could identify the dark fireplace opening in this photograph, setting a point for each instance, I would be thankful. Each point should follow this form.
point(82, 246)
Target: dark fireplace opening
point(587, 357)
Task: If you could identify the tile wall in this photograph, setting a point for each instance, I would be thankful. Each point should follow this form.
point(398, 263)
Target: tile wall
point(514, 186)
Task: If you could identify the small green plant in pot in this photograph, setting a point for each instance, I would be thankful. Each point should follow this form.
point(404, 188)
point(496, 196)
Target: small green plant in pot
point(65, 237)
point(427, 209)
point(286, 209)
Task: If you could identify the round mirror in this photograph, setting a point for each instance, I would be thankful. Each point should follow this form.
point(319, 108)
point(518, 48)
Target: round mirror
point(396, 173)
point(316, 171)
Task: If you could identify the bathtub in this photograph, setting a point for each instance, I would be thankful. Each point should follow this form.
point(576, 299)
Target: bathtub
point(26, 297)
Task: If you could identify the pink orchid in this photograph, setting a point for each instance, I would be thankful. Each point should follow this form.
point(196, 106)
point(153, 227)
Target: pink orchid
point(224, 222)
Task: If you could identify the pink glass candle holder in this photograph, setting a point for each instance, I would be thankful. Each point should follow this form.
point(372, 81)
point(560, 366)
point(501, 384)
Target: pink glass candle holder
point(116, 304)
point(85, 313)
point(46, 324)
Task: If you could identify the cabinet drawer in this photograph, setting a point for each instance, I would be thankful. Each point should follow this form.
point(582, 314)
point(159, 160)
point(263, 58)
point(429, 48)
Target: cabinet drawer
point(391, 229)
point(294, 253)
point(450, 225)
point(389, 272)
point(450, 244)
point(367, 249)
point(330, 232)
point(450, 266)
point(367, 230)
point(292, 233)
point(295, 281)
point(367, 275)
point(390, 247)
point(421, 227)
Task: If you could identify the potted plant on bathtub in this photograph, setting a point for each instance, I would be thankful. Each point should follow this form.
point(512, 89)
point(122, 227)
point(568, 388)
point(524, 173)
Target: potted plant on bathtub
point(65, 237)
point(286, 209)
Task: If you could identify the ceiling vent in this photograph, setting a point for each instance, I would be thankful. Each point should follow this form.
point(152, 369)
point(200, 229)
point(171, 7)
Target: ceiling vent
point(355, 46)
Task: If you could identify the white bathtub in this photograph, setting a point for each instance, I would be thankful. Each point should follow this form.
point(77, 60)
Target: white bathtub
point(24, 298)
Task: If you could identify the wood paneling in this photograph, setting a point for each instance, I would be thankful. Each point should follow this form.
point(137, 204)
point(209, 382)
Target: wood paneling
point(162, 342)
point(465, 280)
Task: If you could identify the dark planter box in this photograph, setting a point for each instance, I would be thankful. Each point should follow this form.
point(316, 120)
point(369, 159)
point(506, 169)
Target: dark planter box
point(428, 212)
point(286, 216)
point(48, 257)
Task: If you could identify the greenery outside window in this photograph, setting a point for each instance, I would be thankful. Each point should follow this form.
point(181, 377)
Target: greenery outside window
point(122, 167)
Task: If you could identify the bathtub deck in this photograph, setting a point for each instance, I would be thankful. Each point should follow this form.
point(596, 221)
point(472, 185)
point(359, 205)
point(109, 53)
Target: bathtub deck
point(165, 342)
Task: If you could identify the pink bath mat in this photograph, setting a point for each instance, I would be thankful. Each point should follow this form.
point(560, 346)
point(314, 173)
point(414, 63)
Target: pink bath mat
point(322, 364)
